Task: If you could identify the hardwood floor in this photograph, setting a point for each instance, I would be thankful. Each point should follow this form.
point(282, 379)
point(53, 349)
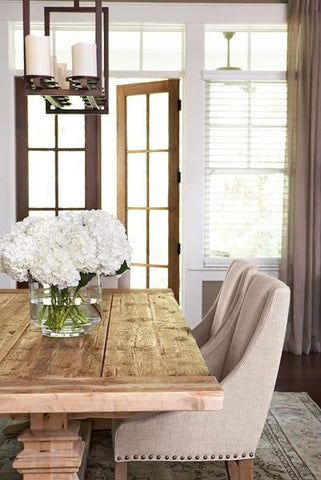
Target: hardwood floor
point(300, 373)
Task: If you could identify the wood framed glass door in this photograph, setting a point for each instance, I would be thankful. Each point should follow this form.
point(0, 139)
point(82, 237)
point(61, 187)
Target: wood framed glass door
point(148, 180)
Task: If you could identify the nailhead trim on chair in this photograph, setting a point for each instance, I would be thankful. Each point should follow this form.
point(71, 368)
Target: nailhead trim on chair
point(182, 457)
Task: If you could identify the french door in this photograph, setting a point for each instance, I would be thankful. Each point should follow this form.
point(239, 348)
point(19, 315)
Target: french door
point(148, 180)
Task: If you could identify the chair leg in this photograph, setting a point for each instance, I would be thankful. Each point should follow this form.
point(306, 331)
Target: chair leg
point(239, 469)
point(232, 470)
point(246, 469)
point(121, 470)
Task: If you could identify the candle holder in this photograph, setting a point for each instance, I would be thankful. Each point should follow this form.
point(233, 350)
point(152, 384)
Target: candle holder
point(92, 90)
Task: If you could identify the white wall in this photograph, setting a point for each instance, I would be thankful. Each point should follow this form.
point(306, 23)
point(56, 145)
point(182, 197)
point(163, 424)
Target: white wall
point(194, 16)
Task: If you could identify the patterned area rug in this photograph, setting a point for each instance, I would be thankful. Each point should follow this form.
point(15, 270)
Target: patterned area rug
point(290, 449)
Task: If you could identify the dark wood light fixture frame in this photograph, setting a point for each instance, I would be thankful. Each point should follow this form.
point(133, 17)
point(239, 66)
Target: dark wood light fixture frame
point(93, 90)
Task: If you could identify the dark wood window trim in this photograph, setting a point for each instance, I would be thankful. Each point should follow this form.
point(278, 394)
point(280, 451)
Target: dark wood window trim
point(92, 156)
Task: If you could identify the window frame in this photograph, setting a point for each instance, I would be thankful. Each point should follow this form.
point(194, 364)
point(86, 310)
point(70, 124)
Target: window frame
point(221, 263)
point(92, 151)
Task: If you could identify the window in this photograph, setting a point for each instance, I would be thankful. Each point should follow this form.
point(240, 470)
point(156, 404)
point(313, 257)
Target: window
point(245, 146)
point(57, 159)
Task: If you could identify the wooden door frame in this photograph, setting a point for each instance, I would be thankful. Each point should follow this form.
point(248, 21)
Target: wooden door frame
point(170, 86)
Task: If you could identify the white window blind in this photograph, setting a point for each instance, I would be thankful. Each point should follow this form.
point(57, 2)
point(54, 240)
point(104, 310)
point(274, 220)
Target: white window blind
point(244, 169)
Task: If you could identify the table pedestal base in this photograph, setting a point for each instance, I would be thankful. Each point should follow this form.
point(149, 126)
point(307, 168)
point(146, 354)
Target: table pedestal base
point(52, 452)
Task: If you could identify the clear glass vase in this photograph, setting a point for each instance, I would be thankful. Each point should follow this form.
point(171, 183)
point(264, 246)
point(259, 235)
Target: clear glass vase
point(67, 312)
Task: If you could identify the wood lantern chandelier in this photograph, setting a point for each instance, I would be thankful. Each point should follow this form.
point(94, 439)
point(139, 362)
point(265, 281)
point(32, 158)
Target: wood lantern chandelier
point(89, 79)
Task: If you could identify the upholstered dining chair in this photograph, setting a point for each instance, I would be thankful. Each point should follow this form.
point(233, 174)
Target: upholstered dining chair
point(229, 299)
point(248, 378)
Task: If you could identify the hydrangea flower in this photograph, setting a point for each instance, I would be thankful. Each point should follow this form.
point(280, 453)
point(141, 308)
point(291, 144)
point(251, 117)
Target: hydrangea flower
point(61, 250)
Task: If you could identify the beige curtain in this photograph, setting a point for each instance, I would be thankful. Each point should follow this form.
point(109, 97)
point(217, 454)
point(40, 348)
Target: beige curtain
point(301, 262)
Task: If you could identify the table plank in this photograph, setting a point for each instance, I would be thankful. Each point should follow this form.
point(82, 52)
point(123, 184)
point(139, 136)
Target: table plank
point(148, 336)
point(132, 394)
point(16, 322)
point(34, 355)
point(146, 361)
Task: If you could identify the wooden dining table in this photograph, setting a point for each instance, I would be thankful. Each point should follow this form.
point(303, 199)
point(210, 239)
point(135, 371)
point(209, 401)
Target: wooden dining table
point(141, 357)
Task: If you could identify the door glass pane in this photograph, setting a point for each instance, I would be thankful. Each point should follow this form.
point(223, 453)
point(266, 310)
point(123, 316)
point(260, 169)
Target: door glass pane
point(158, 277)
point(158, 126)
point(136, 180)
point(41, 127)
point(137, 277)
point(162, 51)
point(41, 179)
point(137, 234)
point(158, 180)
point(71, 131)
point(158, 242)
point(71, 178)
point(136, 122)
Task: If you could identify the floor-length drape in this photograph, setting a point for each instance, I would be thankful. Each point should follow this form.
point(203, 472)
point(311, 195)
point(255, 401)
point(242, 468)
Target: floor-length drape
point(301, 259)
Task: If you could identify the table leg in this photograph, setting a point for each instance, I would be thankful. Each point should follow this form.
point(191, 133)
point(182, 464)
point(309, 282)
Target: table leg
point(52, 448)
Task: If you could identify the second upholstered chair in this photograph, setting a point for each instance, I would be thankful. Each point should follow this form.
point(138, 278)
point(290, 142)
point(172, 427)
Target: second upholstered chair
point(229, 299)
point(248, 377)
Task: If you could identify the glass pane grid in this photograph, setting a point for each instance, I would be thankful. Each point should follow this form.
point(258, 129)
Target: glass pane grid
point(251, 48)
point(244, 178)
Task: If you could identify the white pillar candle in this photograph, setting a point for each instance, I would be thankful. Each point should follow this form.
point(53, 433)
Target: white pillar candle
point(84, 60)
point(53, 67)
point(37, 55)
point(62, 74)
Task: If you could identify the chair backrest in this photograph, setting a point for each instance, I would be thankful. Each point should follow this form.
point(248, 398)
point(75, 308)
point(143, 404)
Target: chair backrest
point(232, 292)
point(231, 297)
point(258, 308)
point(116, 281)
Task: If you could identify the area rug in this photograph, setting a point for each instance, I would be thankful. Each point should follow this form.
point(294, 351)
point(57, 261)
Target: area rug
point(289, 449)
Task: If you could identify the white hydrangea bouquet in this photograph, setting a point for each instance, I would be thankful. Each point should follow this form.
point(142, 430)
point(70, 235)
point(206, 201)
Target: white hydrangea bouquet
point(63, 254)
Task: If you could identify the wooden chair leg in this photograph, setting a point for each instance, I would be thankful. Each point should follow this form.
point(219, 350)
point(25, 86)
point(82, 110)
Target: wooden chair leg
point(239, 469)
point(232, 470)
point(246, 469)
point(121, 470)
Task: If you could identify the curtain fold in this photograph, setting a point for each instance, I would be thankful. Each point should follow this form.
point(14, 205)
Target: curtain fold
point(301, 256)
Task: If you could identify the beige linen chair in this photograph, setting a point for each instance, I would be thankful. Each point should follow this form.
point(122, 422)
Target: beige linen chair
point(248, 378)
point(229, 299)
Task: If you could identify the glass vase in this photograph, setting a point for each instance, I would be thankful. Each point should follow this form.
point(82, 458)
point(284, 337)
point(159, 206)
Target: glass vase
point(67, 312)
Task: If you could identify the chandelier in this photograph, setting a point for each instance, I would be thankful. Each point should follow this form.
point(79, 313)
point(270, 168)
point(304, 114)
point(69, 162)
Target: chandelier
point(89, 80)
